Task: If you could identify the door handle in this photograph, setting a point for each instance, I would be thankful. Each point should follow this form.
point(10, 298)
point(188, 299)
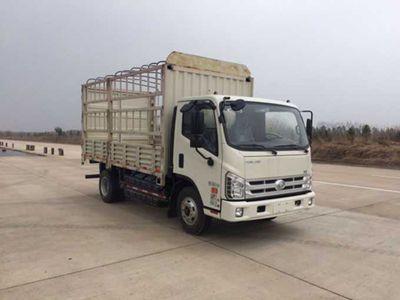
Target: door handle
point(181, 160)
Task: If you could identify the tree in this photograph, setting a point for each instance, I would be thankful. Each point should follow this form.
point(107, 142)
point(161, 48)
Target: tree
point(324, 133)
point(351, 133)
point(58, 130)
point(366, 131)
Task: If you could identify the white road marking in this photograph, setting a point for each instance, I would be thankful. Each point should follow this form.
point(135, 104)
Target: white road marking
point(383, 176)
point(357, 186)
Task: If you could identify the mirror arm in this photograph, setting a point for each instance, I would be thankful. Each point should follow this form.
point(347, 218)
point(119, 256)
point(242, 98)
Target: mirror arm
point(310, 112)
point(210, 161)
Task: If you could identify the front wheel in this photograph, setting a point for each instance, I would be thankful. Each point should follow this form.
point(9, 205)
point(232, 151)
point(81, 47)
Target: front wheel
point(191, 213)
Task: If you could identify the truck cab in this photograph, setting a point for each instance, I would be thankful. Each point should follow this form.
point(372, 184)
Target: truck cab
point(246, 159)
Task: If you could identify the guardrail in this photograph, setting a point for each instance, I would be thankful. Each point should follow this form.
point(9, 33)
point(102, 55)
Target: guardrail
point(31, 148)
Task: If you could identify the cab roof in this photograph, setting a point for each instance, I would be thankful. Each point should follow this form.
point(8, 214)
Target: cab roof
point(219, 98)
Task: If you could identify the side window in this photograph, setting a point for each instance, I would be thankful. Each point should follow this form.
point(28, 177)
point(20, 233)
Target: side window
point(209, 137)
point(187, 124)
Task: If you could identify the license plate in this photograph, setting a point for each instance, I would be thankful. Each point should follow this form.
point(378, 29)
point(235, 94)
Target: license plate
point(281, 207)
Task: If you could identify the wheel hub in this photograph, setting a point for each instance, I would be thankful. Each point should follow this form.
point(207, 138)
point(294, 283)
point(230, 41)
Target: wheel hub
point(105, 186)
point(189, 211)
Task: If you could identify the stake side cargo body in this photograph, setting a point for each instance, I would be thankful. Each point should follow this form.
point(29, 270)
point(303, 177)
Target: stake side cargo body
point(172, 132)
point(126, 117)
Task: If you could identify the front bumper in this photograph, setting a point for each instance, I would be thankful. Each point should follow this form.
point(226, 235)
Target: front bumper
point(272, 208)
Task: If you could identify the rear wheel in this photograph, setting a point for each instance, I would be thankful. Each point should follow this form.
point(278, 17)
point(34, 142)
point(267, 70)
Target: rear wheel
point(191, 213)
point(109, 189)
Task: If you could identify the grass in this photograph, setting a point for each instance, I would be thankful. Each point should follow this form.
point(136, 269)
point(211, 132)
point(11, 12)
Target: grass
point(367, 153)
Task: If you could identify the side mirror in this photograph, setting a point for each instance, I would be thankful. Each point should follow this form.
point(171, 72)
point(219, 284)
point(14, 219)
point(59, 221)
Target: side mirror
point(309, 130)
point(197, 129)
point(196, 141)
point(309, 125)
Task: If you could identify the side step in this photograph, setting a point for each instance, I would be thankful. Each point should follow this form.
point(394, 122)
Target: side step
point(92, 176)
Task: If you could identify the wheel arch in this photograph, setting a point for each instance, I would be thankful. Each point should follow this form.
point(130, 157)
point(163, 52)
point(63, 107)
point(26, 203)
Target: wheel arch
point(178, 183)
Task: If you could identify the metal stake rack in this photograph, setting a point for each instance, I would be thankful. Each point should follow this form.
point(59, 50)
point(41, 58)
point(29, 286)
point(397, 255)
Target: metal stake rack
point(122, 117)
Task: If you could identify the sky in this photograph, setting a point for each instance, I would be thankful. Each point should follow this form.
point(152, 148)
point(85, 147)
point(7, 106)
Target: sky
point(339, 58)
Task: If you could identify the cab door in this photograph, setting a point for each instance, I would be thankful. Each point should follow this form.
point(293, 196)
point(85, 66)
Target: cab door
point(197, 156)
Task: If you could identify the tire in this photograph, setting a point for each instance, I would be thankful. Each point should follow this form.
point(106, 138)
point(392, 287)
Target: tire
point(109, 189)
point(190, 212)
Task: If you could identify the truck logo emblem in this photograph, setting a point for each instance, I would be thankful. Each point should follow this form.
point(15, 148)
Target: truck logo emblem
point(280, 185)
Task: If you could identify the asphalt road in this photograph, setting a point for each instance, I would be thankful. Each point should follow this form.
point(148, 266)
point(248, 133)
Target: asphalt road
point(58, 240)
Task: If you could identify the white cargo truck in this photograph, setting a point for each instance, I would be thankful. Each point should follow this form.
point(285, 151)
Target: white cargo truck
point(188, 133)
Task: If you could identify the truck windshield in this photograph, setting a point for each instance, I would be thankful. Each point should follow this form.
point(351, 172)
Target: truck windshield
point(264, 126)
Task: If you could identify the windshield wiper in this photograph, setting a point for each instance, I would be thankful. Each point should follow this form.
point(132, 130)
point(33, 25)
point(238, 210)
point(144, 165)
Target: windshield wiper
point(257, 146)
point(292, 147)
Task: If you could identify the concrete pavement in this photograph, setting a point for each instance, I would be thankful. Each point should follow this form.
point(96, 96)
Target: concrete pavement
point(58, 240)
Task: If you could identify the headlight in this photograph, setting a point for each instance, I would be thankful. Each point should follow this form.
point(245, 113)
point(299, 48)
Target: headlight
point(234, 186)
point(307, 182)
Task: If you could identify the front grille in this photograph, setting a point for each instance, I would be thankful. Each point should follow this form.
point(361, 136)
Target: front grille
point(265, 188)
